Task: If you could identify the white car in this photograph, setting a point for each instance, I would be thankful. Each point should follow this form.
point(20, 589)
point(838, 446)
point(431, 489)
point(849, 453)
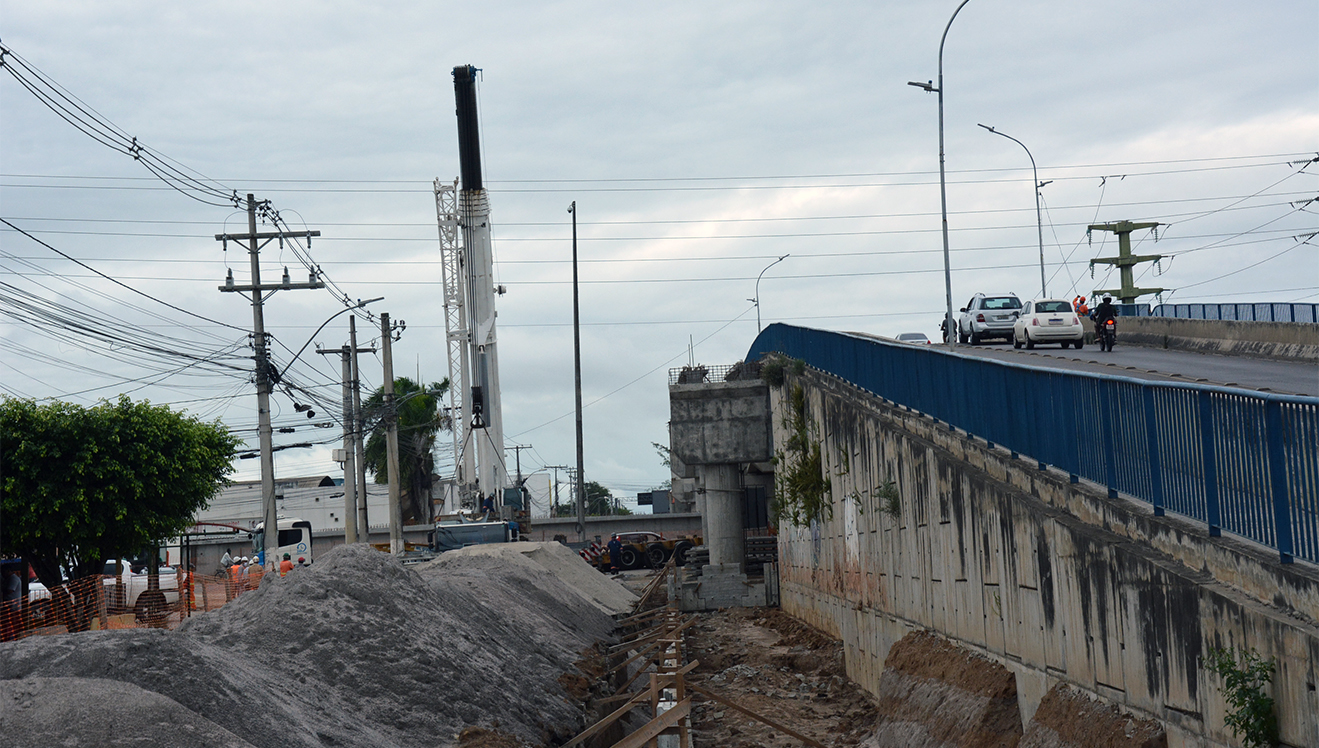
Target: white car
point(915, 338)
point(1048, 321)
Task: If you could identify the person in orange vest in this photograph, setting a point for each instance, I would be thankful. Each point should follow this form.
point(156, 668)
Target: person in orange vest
point(1079, 304)
point(286, 565)
point(234, 584)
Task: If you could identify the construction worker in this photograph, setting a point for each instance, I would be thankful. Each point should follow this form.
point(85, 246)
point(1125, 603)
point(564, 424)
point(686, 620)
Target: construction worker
point(1080, 306)
point(286, 565)
point(233, 583)
point(615, 553)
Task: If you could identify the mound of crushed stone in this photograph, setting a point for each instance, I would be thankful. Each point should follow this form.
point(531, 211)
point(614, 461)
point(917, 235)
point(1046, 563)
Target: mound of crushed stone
point(90, 713)
point(561, 561)
point(356, 650)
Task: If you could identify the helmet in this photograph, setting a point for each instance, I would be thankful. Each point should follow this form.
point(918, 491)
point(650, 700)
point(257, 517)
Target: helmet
point(1108, 298)
point(244, 559)
point(286, 557)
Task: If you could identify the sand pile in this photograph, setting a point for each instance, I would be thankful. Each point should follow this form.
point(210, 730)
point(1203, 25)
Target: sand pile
point(561, 561)
point(354, 651)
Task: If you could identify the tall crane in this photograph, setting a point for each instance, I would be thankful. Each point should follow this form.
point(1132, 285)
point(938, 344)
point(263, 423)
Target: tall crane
point(478, 361)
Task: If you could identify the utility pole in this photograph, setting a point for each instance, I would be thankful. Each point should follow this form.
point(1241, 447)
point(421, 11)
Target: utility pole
point(359, 438)
point(391, 439)
point(267, 375)
point(350, 439)
point(1125, 260)
point(555, 512)
point(577, 369)
point(556, 469)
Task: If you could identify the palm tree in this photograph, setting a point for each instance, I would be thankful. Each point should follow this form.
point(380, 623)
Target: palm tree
point(419, 420)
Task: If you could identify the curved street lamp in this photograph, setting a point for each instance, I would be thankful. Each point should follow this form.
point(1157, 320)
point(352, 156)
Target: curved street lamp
point(1039, 222)
point(943, 183)
point(350, 308)
point(756, 300)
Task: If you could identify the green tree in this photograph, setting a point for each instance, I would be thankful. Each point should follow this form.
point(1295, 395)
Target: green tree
point(599, 502)
point(666, 459)
point(82, 486)
point(419, 420)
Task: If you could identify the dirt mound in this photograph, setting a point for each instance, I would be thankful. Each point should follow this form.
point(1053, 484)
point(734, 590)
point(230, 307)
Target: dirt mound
point(934, 694)
point(1068, 718)
point(90, 713)
point(561, 561)
point(356, 650)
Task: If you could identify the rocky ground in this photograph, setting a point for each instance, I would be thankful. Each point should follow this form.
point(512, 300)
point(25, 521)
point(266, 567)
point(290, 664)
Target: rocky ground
point(773, 664)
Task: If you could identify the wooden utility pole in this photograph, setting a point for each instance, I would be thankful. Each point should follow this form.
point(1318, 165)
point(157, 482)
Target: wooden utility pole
point(1125, 261)
point(267, 374)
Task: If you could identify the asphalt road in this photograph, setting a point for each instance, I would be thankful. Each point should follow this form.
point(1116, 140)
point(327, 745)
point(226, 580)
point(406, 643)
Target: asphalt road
point(1156, 363)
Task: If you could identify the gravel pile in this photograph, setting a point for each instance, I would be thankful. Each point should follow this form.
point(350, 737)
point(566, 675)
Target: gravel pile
point(356, 650)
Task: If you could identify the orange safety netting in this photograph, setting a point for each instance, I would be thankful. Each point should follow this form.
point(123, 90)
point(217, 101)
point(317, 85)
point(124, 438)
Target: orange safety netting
point(106, 602)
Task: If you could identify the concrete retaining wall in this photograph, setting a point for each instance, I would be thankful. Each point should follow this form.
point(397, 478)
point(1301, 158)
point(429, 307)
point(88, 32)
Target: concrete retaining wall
point(1054, 580)
point(1288, 341)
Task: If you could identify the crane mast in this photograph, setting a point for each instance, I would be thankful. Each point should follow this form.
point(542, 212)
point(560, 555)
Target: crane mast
point(453, 274)
point(482, 411)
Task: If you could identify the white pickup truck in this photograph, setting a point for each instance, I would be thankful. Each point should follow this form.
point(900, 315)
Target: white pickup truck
point(123, 591)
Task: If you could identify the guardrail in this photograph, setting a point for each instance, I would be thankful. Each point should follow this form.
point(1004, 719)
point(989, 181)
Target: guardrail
point(1236, 460)
point(1261, 312)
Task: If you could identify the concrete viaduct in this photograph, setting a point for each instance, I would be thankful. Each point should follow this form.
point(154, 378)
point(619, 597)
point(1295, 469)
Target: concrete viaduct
point(971, 497)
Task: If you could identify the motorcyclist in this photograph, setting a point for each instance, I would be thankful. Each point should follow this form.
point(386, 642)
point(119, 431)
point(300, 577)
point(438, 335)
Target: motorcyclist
point(1104, 312)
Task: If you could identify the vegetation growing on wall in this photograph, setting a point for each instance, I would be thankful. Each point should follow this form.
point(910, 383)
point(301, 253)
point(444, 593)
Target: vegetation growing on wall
point(775, 369)
point(889, 498)
point(1245, 675)
point(802, 486)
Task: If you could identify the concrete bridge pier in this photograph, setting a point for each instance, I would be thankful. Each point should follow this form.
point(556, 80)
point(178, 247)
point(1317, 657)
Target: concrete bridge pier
point(719, 430)
point(723, 516)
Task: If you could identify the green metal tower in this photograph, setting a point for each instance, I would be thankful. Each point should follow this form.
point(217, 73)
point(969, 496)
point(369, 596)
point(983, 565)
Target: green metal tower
point(1125, 261)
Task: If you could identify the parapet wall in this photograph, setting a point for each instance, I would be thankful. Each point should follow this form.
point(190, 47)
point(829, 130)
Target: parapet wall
point(1052, 579)
point(1287, 341)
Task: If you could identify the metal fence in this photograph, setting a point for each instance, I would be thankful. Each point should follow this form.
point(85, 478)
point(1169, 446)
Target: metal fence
point(702, 374)
point(1236, 460)
point(1262, 312)
point(99, 603)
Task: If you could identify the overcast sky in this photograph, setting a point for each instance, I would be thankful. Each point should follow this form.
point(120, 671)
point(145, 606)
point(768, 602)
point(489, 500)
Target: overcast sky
point(701, 141)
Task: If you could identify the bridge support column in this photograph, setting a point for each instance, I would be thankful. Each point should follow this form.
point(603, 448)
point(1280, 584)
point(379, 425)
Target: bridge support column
point(724, 535)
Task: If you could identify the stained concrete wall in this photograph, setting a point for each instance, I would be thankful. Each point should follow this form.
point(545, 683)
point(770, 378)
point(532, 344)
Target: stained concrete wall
point(1054, 580)
point(1288, 341)
point(719, 422)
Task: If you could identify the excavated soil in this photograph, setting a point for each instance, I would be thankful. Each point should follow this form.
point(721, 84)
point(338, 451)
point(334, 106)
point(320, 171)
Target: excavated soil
point(776, 666)
point(357, 650)
point(934, 694)
point(1067, 718)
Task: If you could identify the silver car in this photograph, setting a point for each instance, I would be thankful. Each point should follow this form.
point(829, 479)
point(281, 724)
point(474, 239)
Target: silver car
point(986, 317)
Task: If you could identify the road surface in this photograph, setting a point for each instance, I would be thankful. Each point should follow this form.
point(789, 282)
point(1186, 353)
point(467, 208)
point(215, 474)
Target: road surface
point(1284, 377)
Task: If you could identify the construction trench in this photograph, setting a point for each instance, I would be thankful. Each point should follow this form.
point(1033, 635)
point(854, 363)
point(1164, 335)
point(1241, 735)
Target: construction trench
point(498, 646)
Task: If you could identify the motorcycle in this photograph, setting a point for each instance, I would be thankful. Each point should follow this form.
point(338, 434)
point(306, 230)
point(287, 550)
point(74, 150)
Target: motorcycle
point(1107, 335)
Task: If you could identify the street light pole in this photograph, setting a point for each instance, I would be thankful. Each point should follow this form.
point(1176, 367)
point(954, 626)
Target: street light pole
point(1039, 221)
point(943, 185)
point(756, 300)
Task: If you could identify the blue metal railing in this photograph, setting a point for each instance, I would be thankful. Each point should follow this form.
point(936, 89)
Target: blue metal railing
point(1261, 312)
point(1240, 461)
